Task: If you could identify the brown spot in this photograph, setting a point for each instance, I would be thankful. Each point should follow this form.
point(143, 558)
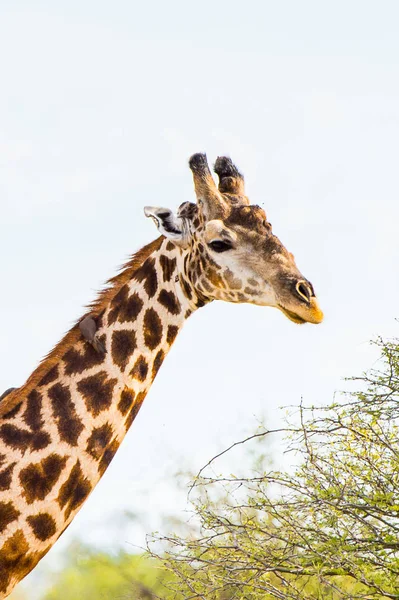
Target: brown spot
point(50, 376)
point(173, 330)
point(43, 526)
point(123, 346)
point(131, 309)
point(74, 491)
point(186, 288)
point(140, 369)
point(118, 300)
point(33, 413)
point(126, 401)
point(108, 456)
point(8, 514)
point(38, 479)
point(251, 292)
point(77, 362)
point(5, 576)
point(14, 411)
point(147, 274)
point(6, 476)
point(125, 307)
point(170, 302)
point(133, 413)
point(206, 285)
point(100, 320)
point(152, 329)
point(233, 282)
point(170, 246)
point(252, 282)
point(21, 439)
point(14, 548)
point(68, 424)
point(97, 391)
point(99, 440)
point(15, 562)
point(168, 266)
point(214, 278)
point(158, 360)
point(188, 313)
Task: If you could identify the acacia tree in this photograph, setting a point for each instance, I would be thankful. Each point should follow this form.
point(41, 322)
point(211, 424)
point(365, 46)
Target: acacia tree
point(328, 528)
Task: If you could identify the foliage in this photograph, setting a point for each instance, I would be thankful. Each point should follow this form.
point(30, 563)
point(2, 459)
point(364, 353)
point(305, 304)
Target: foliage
point(328, 528)
point(97, 575)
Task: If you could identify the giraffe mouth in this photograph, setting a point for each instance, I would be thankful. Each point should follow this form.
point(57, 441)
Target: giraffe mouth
point(312, 314)
point(292, 316)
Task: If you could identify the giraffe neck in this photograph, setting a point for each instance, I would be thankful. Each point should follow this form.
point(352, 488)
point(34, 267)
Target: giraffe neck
point(73, 413)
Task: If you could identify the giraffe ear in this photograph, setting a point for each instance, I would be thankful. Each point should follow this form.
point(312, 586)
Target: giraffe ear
point(167, 223)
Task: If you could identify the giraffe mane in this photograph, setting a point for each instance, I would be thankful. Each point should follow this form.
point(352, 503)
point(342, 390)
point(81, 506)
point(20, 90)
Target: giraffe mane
point(95, 308)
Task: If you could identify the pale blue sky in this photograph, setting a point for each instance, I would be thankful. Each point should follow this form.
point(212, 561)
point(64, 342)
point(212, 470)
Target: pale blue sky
point(101, 105)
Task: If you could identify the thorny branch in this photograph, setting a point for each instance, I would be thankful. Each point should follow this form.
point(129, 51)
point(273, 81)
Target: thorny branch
point(327, 529)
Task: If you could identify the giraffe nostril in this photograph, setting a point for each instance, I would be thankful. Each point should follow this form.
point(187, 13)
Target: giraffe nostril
point(304, 290)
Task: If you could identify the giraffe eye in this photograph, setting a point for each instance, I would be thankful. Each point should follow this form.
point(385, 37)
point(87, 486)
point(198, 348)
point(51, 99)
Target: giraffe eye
point(220, 246)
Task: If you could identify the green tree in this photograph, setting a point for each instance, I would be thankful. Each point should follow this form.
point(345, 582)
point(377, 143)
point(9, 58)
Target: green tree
point(96, 575)
point(328, 528)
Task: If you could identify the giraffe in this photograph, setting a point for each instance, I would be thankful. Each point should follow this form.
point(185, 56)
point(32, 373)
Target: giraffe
point(61, 429)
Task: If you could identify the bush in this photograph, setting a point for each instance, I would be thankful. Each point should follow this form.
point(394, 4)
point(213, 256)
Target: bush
point(329, 529)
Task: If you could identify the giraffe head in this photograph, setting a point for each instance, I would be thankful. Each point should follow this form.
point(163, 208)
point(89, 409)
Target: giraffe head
point(229, 250)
